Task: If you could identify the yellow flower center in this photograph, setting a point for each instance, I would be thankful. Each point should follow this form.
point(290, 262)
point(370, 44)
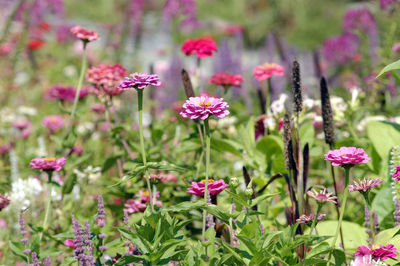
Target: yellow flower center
point(205, 103)
point(145, 193)
point(209, 180)
point(49, 159)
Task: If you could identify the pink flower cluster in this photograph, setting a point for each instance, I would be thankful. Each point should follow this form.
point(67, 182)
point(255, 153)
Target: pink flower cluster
point(202, 47)
point(21, 124)
point(84, 34)
point(267, 70)
point(347, 156)
point(307, 219)
point(53, 122)
point(396, 174)
point(214, 187)
point(202, 107)
point(377, 252)
point(364, 185)
point(226, 79)
point(4, 201)
point(48, 163)
point(139, 81)
point(106, 78)
point(165, 177)
point(139, 205)
point(65, 93)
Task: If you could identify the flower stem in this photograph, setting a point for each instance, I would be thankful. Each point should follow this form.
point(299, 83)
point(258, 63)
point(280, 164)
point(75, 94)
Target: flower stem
point(371, 217)
point(312, 228)
point(80, 82)
point(208, 144)
point(140, 110)
point(46, 215)
point(346, 192)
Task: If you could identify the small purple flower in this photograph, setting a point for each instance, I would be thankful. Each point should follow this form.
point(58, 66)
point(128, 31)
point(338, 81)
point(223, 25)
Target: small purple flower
point(35, 260)
point(101, 213)
point(202, 107)
point(139, 81)
point(341, 49)
point(47, 261)
point(364, 185)
point(359, 19)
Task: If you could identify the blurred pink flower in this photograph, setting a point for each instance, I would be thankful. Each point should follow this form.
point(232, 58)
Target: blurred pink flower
point(202, 107)
point(69, 243)
point(364, 185)
point(132, 206)
point(84, 34)
point(308, 219)
point(362, 261)
point(266, 71)
point(377, 252)
point(21, 124)
point(322, 196)
point(26, 133)
point(5, 148)
point(396, 47)
point(4, 201)
point(53, 122)
point(106, 78)
point(214, 187)
point(347, 156)
point(48, 163)
point(139, 81)
point(396, 174)
point(105, 126)
point(65, 93)
point(165, 177)
point(226, 79)
point(202, 47)
point(98, 108)
point(3, 223)
point(78, 150)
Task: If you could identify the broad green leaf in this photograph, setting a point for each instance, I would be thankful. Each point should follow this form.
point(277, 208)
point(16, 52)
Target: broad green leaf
point(384, 136)
point(18, 249)
point(186, 206)
point(383, 202)
point(390, 67)
point(126, 259)
point(223, 145)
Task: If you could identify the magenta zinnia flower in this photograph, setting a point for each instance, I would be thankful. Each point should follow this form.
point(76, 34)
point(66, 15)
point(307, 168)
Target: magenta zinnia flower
point(53, 122)
point(21, 124)
point(226, 80)
point(202, 107)
point(132, 206)
point(307, 219)
point(266, 71)
point(322, 196)
point(214, 187)
point(4, 201)
point(396, 174)
point(364, 185)
point(84, 34)
point(347, 156)
point(48, 163)
point(106, 78)
point(202, 47)
point(65, 93)
point(377, 252)
point(139, 81)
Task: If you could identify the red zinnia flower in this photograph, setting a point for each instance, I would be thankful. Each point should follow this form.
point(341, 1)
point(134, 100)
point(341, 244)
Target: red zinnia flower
point(84, 34)
point(202, 47)
point(226, 80)
point(35, 44)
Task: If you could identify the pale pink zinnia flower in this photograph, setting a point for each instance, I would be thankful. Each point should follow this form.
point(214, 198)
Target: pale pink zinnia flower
point(48, 163)
point(396, 47)
point(226, 79)
point(322, 196)
point(139, 81)
point(362, 261)
point(377, 252)
point(69, 243)
point(106, 78)
point(267, 70)
point(84, 34)
point(133, 206)
point(214, 187)
point(202, 47)
point(364, 185)
point(202, 107)
point(21, 124)
point(307, 219)
point(4, 201)
point(53, 122)
point(347, 156)
point(396, 174)
point(65, 93)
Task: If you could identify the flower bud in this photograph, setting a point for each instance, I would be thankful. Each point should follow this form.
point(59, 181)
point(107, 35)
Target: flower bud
point(234, 182)
point(248, 192)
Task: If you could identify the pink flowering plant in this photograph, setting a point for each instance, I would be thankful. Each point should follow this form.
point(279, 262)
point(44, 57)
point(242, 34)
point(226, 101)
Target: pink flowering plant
point(188, 132)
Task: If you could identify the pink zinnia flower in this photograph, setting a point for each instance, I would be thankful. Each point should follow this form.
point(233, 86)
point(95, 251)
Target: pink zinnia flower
point(202, 47)
point(4, 201)
point(139, 81)
point(132, 206)
point(377, 252)
point(84, 34)
point(65, 93)
point(396, 47)
point(347, 156)
point(48, 163)
point(364, 185)
point(307, 219)
point(5, 148)
point(322, 196)
point(106, 78)
point(98, 108)
point(226, 80)
point(26, 133)
point(202, 107)
point(214, 187)
point(69, 243)
point(362, 261)
point(144, 197)
point(53, 122)
point(21, 124)
point(267, 70)
point(396, 174)
point(165, 177)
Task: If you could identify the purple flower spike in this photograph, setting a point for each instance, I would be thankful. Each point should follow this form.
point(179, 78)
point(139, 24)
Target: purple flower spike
point(101, 214)
point(139, 81)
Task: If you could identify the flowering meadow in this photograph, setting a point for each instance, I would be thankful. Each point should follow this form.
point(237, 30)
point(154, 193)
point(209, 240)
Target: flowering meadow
point(184, 132)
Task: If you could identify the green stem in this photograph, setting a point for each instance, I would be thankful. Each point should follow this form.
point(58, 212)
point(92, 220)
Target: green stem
point(312, 228)
point(346, 192)
point(300, 183)
point(371, 217)
point(80, 82)
point(268, 96)
point(46, 216)
point(208, 144)
point(143, 151)
point(197, 76)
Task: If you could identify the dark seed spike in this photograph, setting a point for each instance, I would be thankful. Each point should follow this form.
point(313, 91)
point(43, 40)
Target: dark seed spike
point(296, 83)
point(286, 139)
point(246, 176)
point(289, 216)
point(292, 162)
point(327, 114)
point(187, 84)
point(261, 99)
point(306, 164)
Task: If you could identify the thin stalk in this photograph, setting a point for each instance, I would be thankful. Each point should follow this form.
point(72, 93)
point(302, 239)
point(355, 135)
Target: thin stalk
point(346, 193)
point(46, 215)
point(314, 223)
point(268, 96)
point(147, 175)
point(371, 217)
point(80, 82)
point(208, 144)
point(197, 76)
point(9, 21)
point(300, 186)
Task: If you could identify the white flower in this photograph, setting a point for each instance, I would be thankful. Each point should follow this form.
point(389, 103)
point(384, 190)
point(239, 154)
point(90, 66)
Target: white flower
point(91, 173)
point(355, 91)
point(27, 110)
point(70, 71)
point(85, 127)
point(278, 106)
point(23, 192)
point(269, 122)
point(308, 103)
point(226, 122)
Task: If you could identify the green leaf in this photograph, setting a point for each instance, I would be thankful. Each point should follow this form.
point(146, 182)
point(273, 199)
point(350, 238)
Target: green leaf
point(307, 133)
point(384, 136)
point(238, 199)
point(340, 257)
point(186, 206)
point(126, 259)
point(17, 249)
point(383, 203)
point(69, 184)
point(390, 67)
point(321, 248)
point(165, 166)
point(219, 213)
point(68, 261)
point(261, 198)
point(223, 145)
